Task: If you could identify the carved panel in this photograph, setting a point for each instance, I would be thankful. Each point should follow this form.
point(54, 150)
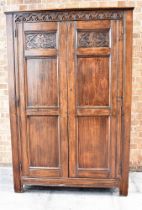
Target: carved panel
point(93, 38)
point(40, 40)
point(68, 15)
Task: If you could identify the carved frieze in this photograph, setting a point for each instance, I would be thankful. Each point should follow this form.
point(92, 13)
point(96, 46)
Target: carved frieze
point(40, 40)
point(93, 38)
point(68, 15)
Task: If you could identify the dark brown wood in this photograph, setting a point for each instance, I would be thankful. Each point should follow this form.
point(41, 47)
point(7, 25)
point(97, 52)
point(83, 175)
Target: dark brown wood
point(12, 105)
point(70, 97)
point(94, 51)
point(92, 106)
point(72, 182)
point(119, 99)
point(92, 84)
point(127, 93)
point(62, 15)
point(43, 104)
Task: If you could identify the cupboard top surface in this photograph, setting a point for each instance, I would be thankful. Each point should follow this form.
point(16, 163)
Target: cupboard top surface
point(64, 5)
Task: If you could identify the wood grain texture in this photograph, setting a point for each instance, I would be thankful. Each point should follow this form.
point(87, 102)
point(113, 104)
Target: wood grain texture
point(50, 27)
point(43, 109)
point(63, 99)
point(22, 101)
point(99, 24)
point(44, 141)
point(51, 111)
point(70, 97)
point(127, 93)
point(72, 182)
point(94, 51)
point(42, 82)
point(93, 91)
point(93, 81)
point(113, 93)
point(92, 142)
point(119, 100)
point(71, 100)
point(40, 52)
point(12, 106)
point(83, 111)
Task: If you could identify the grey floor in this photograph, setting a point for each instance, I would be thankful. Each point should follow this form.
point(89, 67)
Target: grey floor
point(42, 198)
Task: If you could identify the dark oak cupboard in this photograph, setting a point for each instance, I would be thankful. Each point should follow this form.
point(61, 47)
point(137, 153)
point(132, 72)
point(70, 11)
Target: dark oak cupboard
point(70, 97)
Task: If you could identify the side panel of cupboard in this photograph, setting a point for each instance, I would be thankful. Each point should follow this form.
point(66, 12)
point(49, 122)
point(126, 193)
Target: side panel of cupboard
point(41, 50)
point(95, 98)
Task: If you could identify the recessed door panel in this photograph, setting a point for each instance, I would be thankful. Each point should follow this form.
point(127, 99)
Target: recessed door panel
point(44, 141)
point(93, 140)
point(93, 81)
point(42, 82)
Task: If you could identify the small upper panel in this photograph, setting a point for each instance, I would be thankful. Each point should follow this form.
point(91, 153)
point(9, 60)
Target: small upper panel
point(40, 40)
point(98, 38)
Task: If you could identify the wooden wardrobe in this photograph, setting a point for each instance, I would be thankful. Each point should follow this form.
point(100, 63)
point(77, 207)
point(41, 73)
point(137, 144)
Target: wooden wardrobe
point(70, 97)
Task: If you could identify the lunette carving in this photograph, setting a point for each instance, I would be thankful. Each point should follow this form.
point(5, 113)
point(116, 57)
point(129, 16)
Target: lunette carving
point(40, 40)
point(68, 15)
point(93, 38)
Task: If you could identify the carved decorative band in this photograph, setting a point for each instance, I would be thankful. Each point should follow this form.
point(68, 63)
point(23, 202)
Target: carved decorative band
point(68, 15)
point(93, 38)
point(40, 40)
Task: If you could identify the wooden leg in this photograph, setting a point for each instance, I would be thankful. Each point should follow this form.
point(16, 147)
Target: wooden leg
point(123, 190)
point(18, 188)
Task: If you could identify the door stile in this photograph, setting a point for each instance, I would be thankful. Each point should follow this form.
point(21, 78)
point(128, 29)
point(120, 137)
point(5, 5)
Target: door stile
point(23, 131)
point(114, 63)
point(63, 96)
point(119, 97)
point(71, 99)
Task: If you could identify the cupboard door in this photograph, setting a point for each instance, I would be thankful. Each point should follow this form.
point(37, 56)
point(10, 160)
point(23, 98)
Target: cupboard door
point(94, 98)
point(43, 98)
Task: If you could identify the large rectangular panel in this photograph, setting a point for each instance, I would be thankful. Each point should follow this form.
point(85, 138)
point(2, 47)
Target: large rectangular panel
point(93, 142)
point(92, 81)
point(44, 141)
point(42, 82)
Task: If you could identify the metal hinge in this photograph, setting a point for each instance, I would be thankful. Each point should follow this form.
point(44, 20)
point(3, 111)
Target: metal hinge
point(20, 165)
point(122, 30)
point(120, 100)
point(122, 108)
point(121, 35)
point(17, 102)
point(121, 168)
point(15, 32)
